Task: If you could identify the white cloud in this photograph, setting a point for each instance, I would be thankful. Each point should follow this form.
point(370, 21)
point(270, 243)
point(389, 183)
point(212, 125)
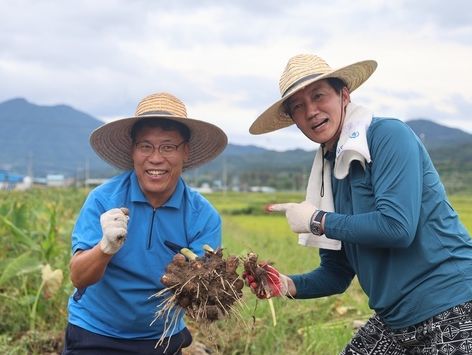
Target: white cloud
point(224, 58)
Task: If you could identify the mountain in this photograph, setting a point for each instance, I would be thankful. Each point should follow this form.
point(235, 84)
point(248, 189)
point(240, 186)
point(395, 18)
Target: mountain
point(47, 139)
point(446, 145)
point(55, 139)
point(436, 136)
point(443, 143)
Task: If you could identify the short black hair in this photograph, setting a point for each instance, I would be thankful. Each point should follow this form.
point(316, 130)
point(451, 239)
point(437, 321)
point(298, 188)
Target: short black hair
point(165, 124)
point(336, 83)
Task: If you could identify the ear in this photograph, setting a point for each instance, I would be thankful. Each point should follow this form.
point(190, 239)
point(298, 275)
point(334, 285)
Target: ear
point(186, 150)
point(346, 95)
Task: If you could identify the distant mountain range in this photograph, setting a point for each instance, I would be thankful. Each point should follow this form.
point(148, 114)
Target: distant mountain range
point(436, 136)
point(47, 139)
point(55, 139)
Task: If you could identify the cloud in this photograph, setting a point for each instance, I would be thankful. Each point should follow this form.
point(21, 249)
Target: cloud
point(224, 58)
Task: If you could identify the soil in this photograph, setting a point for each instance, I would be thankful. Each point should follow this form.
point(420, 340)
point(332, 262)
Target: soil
point(207, 287)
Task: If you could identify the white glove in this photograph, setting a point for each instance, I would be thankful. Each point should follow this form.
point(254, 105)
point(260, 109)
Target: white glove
point(114, 227)
point(298, 214)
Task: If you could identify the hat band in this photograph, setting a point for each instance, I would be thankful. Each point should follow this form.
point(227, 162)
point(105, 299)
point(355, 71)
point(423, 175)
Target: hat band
point(156, 113)
point(308, 77)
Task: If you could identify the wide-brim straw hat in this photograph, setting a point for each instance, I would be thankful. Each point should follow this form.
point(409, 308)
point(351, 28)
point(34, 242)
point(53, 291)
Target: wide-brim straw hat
point(301, 71)
point(112, 141)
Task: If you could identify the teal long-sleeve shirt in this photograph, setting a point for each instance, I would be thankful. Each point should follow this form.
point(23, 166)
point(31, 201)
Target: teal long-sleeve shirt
point(400, 235)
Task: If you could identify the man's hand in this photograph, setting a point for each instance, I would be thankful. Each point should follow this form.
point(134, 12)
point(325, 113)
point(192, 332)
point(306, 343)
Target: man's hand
point(298, 214)
point(276, 285)
point(115, 227)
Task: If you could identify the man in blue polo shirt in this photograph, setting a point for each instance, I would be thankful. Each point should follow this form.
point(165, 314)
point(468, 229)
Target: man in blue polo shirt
point(118, 246)
point(376, 208)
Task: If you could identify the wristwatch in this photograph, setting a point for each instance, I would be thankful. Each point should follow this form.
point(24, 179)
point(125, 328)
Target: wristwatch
point(315, 223)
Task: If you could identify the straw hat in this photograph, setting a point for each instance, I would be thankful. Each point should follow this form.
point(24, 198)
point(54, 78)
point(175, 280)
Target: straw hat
point(300, 71)
point(112, 141)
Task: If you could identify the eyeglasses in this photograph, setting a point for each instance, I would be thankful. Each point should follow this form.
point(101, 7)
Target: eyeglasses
point(147, 149)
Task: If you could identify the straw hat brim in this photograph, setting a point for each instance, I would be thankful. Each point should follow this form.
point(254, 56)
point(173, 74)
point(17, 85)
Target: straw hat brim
point(275, 118)
point(112, 141)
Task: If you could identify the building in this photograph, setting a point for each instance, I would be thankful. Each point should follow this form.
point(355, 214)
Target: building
point(12, 181)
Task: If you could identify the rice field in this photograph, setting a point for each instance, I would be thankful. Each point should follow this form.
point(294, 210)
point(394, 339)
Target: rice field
point(35, 229)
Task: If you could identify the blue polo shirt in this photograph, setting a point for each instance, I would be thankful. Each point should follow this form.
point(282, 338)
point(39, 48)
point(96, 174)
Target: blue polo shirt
point(121, 303)
point(401, 237)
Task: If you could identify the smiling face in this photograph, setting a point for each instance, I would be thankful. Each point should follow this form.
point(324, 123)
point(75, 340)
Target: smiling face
point(158, 175)
point(318, 111)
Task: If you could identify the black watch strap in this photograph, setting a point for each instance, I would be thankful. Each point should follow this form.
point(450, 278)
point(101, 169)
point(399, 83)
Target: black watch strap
point(319, 216)
point(315, 224)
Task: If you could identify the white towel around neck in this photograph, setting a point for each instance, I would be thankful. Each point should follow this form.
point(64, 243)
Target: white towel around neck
point(352, 145)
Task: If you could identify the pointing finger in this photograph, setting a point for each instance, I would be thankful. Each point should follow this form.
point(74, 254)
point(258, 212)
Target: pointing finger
point(278, 207)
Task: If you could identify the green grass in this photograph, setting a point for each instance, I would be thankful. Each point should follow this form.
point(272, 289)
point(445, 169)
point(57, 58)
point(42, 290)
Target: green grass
point(35, 229)
point(317, 326)
point(463, 205)
point(321, 326)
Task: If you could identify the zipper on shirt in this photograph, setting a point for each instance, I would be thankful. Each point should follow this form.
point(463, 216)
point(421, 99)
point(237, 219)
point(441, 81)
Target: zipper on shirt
point(150, 229)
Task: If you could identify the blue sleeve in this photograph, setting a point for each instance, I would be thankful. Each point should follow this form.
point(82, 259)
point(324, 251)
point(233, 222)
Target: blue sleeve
point(87, 230)
point(333, 276)
point(396, 183)
point(204, 227)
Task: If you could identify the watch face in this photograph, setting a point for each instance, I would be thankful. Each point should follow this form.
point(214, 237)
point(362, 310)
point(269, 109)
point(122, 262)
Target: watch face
point(315, 228)
point(315, 225)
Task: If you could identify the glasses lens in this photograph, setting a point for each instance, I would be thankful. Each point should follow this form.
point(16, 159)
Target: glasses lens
point(167, 149)
point(145, 148)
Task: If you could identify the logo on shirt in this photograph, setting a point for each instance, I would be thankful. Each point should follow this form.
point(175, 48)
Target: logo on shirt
point(354, 134)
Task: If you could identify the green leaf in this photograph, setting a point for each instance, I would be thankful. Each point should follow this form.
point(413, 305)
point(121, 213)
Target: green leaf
point(19, 235)
point(20, 265)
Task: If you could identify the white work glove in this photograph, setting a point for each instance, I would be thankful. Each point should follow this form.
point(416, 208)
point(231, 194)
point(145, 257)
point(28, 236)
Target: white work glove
point(114, 227)
point(298, 214)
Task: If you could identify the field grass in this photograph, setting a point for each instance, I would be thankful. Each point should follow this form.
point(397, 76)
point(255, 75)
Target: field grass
point(35, 229)
point(317, 326)
point(302, 326)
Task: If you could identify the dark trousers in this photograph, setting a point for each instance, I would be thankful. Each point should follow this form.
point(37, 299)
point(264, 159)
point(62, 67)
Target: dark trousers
point(79, 341)
point(447, 333)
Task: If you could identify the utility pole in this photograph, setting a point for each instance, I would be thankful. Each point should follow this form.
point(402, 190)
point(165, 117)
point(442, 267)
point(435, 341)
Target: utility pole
point(77, 176)
point(225, 176)
point(30, 165)
point(87, 172)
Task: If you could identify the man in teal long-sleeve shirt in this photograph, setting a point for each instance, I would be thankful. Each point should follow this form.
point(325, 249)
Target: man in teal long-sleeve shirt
point(396, 230)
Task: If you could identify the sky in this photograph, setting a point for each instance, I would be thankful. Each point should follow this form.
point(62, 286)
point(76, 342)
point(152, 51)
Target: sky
point(224, 58)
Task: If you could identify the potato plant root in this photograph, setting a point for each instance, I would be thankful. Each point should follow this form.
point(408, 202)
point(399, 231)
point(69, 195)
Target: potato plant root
point(206, 288)
point(253, 268)
point(260, 275)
